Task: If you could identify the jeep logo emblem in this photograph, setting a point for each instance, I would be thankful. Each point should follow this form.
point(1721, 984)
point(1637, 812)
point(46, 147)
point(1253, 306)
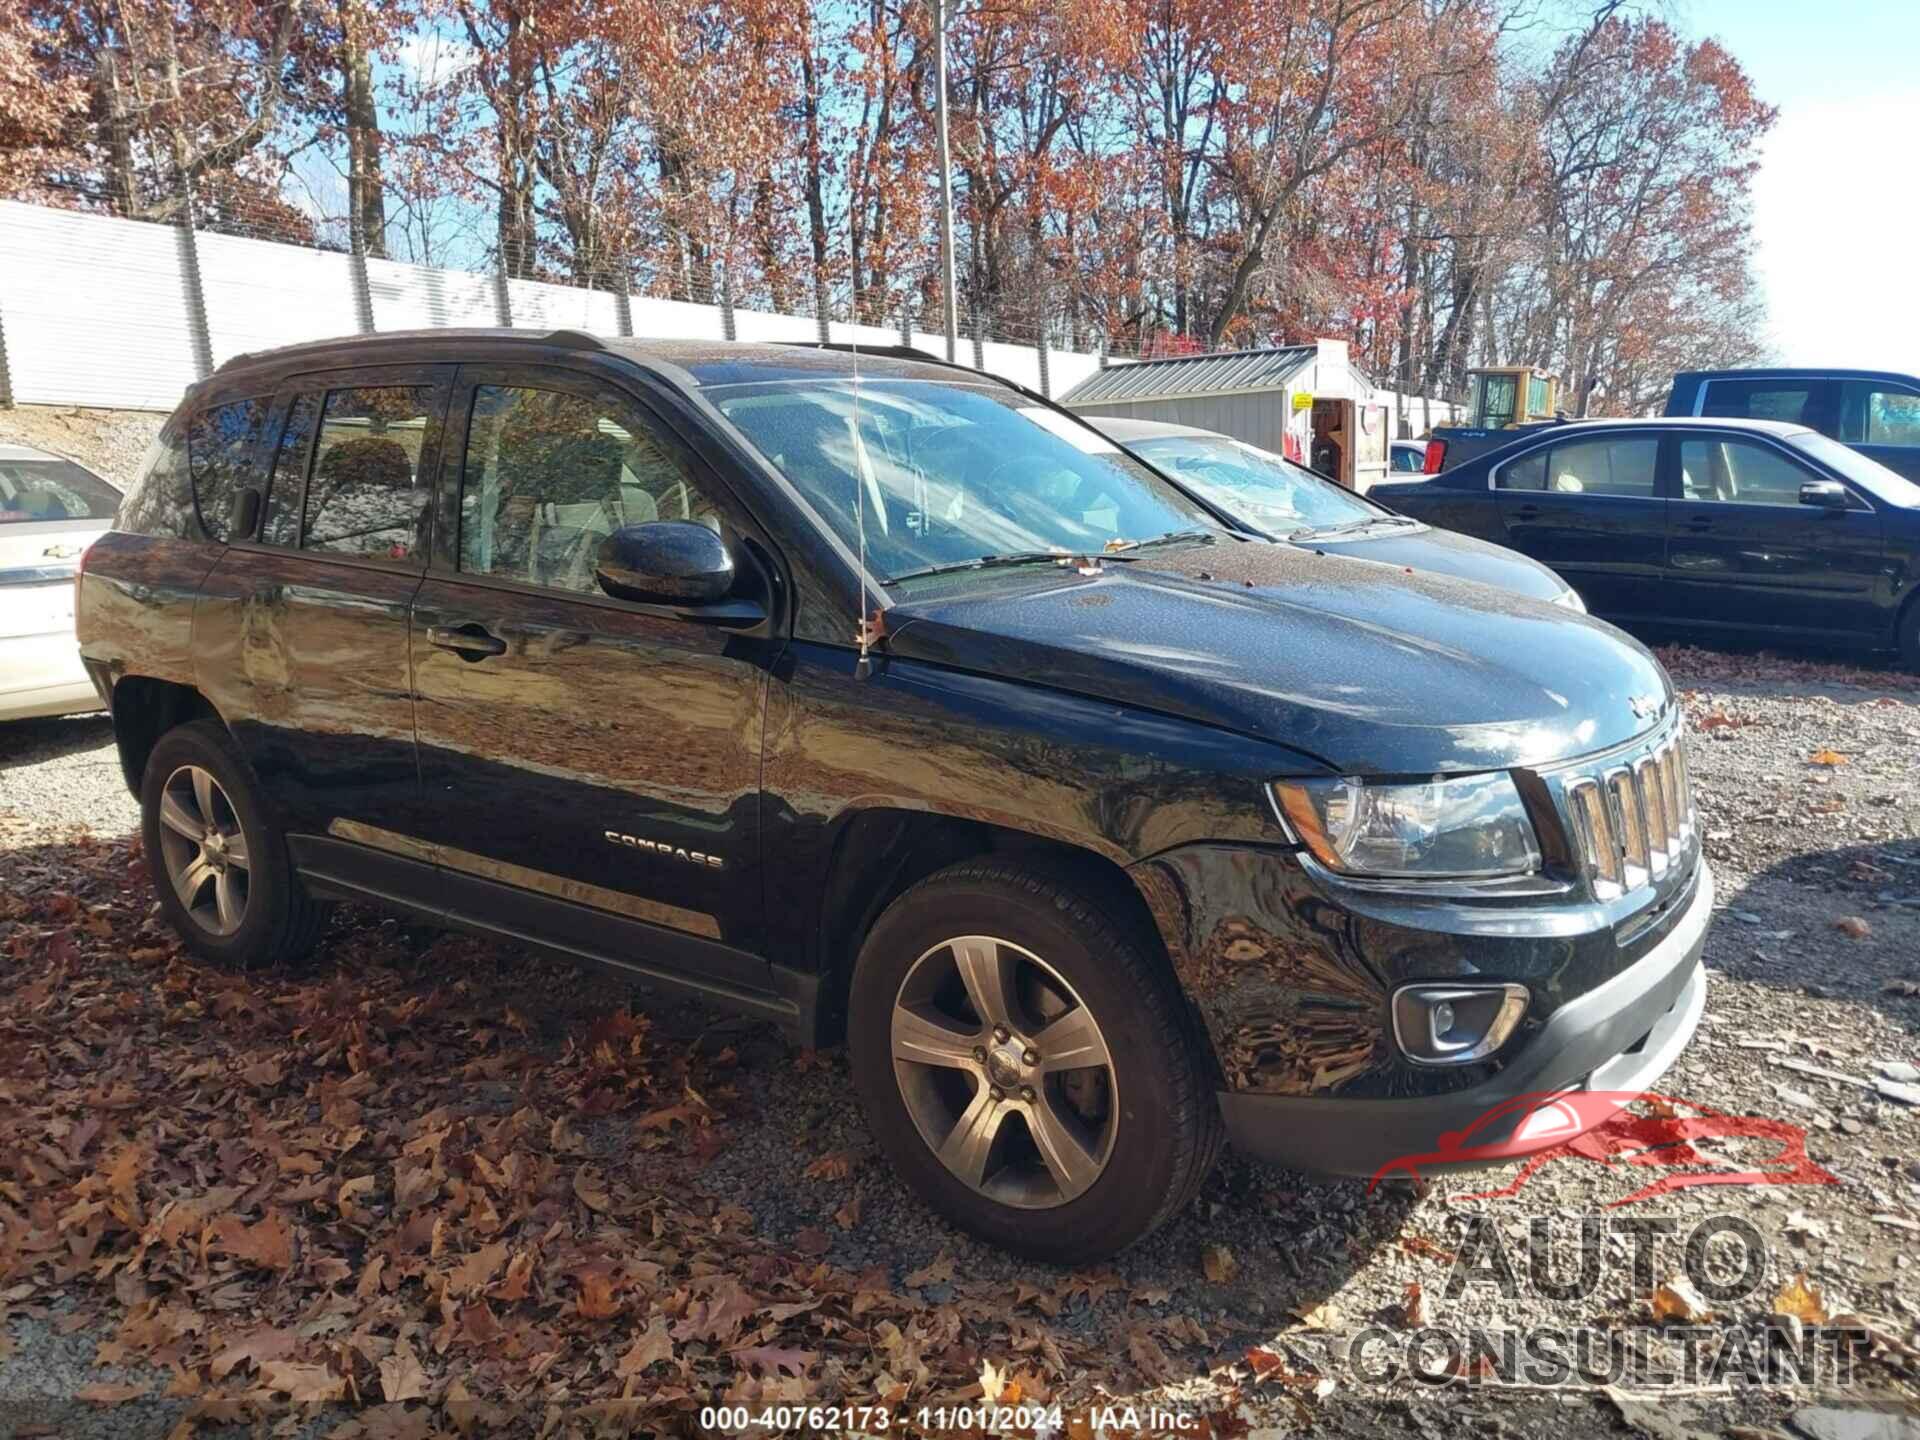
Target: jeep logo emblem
point(671, 852)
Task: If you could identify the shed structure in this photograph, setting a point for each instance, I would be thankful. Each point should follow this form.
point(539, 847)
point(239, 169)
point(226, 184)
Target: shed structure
point(1309, 403)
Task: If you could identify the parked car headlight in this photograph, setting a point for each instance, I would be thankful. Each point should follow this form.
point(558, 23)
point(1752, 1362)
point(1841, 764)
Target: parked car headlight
point(1471, 827)
point(1570, 598)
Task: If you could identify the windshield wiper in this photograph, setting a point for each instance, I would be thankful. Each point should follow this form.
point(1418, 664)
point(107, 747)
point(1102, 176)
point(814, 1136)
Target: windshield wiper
point(1123, 547)
point(980, 562)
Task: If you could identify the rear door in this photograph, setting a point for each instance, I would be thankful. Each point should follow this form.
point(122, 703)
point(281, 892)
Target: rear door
point(300, 636)
point(591, 761)
point(1744, 552)
point(1592, 508)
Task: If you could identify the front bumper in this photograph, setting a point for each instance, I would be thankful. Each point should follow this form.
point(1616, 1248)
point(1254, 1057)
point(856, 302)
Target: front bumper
point(1620, 1036)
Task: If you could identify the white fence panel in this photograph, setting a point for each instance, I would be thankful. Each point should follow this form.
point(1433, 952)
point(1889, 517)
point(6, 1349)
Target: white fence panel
point(260, 294)
point(675, 320)
point(1018, 363)
point(1067, 368)
point(537, 305)
point(423, 297)
point(760, 325)
point(94, 308)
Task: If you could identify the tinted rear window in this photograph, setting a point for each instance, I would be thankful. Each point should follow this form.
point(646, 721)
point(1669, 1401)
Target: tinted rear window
point(220, 442)
point(38, 490)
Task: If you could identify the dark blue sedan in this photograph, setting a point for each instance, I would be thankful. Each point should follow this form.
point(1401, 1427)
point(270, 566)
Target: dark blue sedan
point(1272, 497)
point(1720, 525)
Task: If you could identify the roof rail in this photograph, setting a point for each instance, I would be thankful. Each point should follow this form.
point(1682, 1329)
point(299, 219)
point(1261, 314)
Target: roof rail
point(565, 338)
point(891, 352)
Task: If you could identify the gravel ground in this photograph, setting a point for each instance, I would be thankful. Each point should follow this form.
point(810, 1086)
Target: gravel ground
point(1811, 807)
point(111, 442)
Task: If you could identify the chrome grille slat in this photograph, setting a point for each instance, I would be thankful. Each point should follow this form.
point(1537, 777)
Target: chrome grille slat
point(1632, 815)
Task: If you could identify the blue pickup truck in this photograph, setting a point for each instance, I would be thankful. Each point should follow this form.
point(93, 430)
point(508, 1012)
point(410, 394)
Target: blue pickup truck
point(1876, 412)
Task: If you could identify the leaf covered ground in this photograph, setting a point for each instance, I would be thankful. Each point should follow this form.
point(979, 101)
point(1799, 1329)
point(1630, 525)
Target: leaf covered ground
point(437, 1186)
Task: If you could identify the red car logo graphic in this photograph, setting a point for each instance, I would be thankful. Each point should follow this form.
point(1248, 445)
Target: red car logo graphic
point(1597, 1125)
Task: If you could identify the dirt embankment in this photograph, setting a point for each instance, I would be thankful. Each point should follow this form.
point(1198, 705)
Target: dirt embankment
point(112, 442)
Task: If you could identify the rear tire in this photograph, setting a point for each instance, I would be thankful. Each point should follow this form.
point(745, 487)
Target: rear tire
point(218, 860)
point(1105, 1123)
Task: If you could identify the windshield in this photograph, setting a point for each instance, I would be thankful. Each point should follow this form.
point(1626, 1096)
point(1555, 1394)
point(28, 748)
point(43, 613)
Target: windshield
point(1870, 475)
point(1257, 485)
point(950, 474)
point(32, 490)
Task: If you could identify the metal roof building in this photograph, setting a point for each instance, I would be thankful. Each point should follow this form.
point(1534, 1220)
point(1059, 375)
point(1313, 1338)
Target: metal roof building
point(1284, 399)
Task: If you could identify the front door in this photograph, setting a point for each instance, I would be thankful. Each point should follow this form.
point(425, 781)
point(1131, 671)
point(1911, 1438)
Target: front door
point(584, 759)
point(1591, 508)
point(1744, 552)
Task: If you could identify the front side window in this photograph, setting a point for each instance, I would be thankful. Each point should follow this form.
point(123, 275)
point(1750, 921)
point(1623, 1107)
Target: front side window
point(1872, 414)
point(945, 474)
point(1257, 486)
point(365, 495)
point(1787, 400)
point(1738, 472)
point(548, 475)
point(220, 441)
point(40, 490)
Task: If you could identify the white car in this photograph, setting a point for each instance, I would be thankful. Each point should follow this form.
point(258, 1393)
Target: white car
point(50, 511)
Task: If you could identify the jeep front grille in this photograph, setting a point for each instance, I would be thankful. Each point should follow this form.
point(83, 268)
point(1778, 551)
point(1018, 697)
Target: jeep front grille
point(1632, 815)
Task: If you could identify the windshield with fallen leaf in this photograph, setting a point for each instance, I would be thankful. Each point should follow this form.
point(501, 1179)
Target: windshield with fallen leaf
point(945, 476)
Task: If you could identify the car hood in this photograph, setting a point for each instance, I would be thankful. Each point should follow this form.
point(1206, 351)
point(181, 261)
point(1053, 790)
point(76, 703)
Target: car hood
point(1446, 553)
point(1365, 667)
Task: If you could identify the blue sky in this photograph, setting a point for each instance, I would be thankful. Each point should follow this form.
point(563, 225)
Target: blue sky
point(1835, 210)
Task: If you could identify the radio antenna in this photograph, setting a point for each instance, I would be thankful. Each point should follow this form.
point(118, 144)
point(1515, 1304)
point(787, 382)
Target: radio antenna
point(869, 630)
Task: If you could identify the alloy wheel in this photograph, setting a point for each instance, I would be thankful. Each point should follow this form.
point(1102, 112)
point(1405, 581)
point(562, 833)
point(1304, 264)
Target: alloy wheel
point(204, 850)
point(1005, 1072)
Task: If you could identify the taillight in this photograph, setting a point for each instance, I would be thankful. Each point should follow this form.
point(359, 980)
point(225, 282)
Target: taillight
point(1436, 456)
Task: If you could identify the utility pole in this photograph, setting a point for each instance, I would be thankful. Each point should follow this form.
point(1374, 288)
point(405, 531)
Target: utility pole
point(950, 314)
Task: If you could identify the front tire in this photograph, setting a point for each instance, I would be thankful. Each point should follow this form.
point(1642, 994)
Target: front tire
point(218, 860)
point(1028, 1065)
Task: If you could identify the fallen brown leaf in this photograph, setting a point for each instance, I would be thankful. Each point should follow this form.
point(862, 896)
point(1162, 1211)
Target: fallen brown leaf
point(1218, 1264)
point(1853, 926)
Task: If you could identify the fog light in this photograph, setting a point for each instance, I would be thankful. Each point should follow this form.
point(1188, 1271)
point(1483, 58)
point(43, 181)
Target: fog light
point(1455, 1024)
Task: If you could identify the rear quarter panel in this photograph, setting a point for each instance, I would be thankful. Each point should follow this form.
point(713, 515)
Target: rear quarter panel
point(1470, 511)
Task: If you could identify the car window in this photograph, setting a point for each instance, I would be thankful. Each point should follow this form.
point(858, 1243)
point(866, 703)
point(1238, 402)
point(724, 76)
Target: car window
point(1739, 472)
point(548, 475)
point(1256, 485)
point(50, 489)
point(941, 473)
point(365, 494)
point(1604, 466)
point(220, 441)
point(1529, 472)
point(1789, 400)
point(1875, 414)
point(286, 485)
point(160, 500)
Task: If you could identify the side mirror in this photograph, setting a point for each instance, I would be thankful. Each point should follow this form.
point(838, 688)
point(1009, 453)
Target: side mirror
point(665, 562)
point(1824, 494)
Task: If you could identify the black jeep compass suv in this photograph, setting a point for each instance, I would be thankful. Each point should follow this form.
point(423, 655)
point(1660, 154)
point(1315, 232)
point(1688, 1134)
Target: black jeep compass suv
point(889, 702)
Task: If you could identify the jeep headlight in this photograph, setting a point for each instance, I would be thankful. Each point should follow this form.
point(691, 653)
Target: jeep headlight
point(1470, 827)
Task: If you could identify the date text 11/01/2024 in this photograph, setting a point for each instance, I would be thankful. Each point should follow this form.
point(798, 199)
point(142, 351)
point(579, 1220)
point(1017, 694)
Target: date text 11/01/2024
point(942, 1419)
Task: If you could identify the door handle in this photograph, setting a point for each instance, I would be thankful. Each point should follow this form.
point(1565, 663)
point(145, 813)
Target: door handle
point(1699, 523)
point(470, 641)
point(1527, 512)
